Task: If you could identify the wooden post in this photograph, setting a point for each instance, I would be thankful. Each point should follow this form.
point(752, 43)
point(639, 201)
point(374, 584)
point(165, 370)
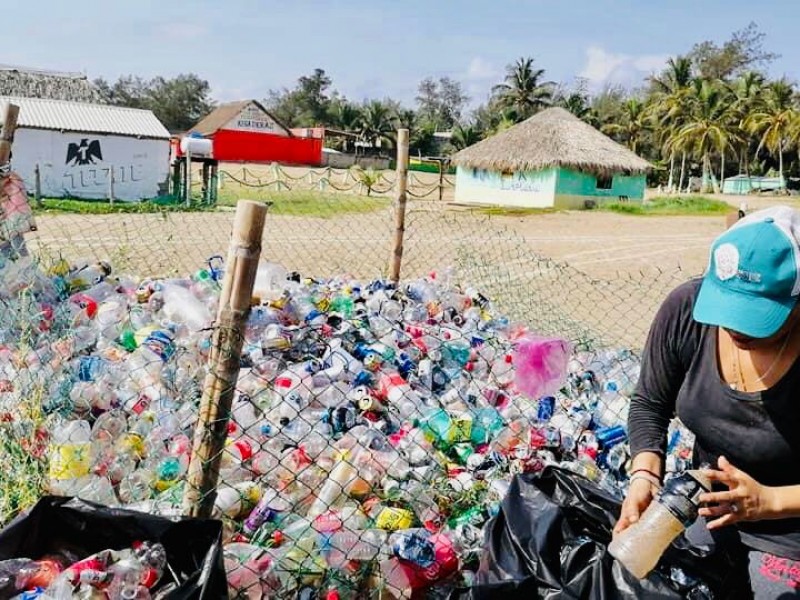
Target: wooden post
point(237, 290)
point(188, 176)
point(111, 184)
point(400, 206)
point(7, 133)
point(37, 186)
point(441, 179)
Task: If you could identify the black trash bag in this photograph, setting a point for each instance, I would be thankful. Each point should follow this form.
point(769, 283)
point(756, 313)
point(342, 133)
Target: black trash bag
point(550, 540)
point(81, 528)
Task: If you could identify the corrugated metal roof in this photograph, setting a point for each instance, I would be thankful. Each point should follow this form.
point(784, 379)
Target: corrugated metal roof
point(89, 118)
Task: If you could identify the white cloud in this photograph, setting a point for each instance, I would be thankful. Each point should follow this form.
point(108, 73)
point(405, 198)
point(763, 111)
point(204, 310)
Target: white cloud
point(481, 69)
point(183, 31)
point(603, 67)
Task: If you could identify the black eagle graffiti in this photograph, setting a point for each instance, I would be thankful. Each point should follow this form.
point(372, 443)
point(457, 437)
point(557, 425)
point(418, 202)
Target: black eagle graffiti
point(84, 153)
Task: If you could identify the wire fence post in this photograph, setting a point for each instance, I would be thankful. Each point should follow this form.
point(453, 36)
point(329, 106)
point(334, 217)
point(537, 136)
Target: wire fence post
point(218, 390)
point(111, 184)
point(400, 206)
point(37, 186)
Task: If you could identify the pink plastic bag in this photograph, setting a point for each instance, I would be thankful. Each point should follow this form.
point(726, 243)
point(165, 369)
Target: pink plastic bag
point(540, 365)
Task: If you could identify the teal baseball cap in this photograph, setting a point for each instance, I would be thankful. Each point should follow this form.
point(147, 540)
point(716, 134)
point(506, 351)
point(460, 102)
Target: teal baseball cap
point(753, 277)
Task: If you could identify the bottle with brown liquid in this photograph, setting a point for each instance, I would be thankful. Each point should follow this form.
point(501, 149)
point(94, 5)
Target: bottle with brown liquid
point(674, 508)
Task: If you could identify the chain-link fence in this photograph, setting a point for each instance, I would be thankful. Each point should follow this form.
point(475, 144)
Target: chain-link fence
point(372, 428)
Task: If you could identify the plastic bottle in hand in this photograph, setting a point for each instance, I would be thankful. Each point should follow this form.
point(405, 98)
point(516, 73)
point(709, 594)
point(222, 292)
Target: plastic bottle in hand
point(674, 508)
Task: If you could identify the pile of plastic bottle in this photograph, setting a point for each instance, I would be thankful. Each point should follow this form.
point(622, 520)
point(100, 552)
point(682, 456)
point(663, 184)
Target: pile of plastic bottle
point(130, 574)
point(373, 432)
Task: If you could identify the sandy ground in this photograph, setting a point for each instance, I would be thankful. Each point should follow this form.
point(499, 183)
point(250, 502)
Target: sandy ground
point(585, 275)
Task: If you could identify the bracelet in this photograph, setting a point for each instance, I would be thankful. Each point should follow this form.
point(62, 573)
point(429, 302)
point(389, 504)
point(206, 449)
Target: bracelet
point(646, 477)
point(648, 471)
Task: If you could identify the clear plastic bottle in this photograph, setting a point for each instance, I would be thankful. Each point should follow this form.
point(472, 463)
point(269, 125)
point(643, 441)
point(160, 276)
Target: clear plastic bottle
point(674, 508)
point(70, 458)
point(363, 545)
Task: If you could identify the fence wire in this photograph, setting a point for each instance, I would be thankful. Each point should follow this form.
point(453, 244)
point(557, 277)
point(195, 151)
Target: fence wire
point(373, 428)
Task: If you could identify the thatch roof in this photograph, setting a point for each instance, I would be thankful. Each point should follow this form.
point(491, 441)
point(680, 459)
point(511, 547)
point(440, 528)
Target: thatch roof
point(224, 113)
point(552, 138)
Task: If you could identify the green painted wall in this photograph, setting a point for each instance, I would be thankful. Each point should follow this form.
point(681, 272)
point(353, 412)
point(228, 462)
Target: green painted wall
point(575, 183)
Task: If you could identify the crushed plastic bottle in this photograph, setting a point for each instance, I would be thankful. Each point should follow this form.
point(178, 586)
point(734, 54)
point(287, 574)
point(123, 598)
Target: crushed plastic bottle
point(371, 422)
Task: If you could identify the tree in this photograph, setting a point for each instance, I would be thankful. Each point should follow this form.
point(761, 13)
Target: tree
point(463, 137)
point(523, 92)
point(742, 52)
point(708, 128)
point(677, 76)
point(178, 103)
point(376, 122)
point(441, 102)
point(748, 92)
point(308, 104)
point(669, 107)
point(312, 96)
point(775, 122)
point(128, 91)
point(635, 121)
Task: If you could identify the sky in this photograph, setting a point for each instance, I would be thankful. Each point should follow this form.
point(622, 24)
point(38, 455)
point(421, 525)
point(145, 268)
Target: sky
point(382, 48)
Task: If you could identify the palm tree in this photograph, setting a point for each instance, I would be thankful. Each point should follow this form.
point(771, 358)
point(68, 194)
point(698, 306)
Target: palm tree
point(775, 122)
point(464, 137)
point(376, 123)
point(709, 127)
point(748, 91)
point(405, 118)
point(635, 121)
point(523, 90)
point(677, 76)
point(670, 107)
point(346, 117)
point(578, 104)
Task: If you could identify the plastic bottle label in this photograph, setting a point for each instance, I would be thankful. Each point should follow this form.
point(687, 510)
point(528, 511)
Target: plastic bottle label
point(70, 461)
point(394, 519)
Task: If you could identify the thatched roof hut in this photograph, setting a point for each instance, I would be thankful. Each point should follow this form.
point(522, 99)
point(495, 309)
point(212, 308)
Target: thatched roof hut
point(552, 138)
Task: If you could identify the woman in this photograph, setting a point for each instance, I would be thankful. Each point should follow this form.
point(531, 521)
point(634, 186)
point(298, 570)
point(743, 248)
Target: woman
point(723, 354)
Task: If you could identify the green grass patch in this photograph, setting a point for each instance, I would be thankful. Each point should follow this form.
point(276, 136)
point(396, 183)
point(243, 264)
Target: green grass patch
point(512, 211)
point(307, 203)
point(104, 207)
point(670, 206)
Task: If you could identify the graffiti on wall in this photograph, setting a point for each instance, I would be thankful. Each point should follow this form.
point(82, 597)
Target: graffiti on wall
point(84, 168)
point(516, 182)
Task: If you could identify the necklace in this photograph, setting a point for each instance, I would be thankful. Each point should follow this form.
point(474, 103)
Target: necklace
point(737, 366)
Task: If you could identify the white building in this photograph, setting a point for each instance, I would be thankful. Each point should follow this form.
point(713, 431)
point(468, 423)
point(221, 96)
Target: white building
point(77, 145)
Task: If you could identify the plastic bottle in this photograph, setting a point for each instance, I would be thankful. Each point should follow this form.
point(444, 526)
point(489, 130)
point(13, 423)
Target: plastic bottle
point(640, 546)
point(70, 457)
point(362, 545)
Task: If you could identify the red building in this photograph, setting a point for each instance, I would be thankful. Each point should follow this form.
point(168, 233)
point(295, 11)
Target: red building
point(245, 131)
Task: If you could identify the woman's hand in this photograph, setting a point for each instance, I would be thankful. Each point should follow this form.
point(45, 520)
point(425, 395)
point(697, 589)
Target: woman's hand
point(640, 494)
point(745, 500)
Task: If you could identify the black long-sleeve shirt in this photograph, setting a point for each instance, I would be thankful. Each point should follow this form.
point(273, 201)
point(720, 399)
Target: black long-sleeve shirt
point(758, 432)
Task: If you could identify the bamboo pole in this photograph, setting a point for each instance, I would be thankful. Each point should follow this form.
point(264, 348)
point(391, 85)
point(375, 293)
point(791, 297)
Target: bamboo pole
point(7, 134)
point(400, 206)
point(218, 390)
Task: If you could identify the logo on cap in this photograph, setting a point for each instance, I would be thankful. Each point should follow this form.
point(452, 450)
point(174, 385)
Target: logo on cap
point(726, 259)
